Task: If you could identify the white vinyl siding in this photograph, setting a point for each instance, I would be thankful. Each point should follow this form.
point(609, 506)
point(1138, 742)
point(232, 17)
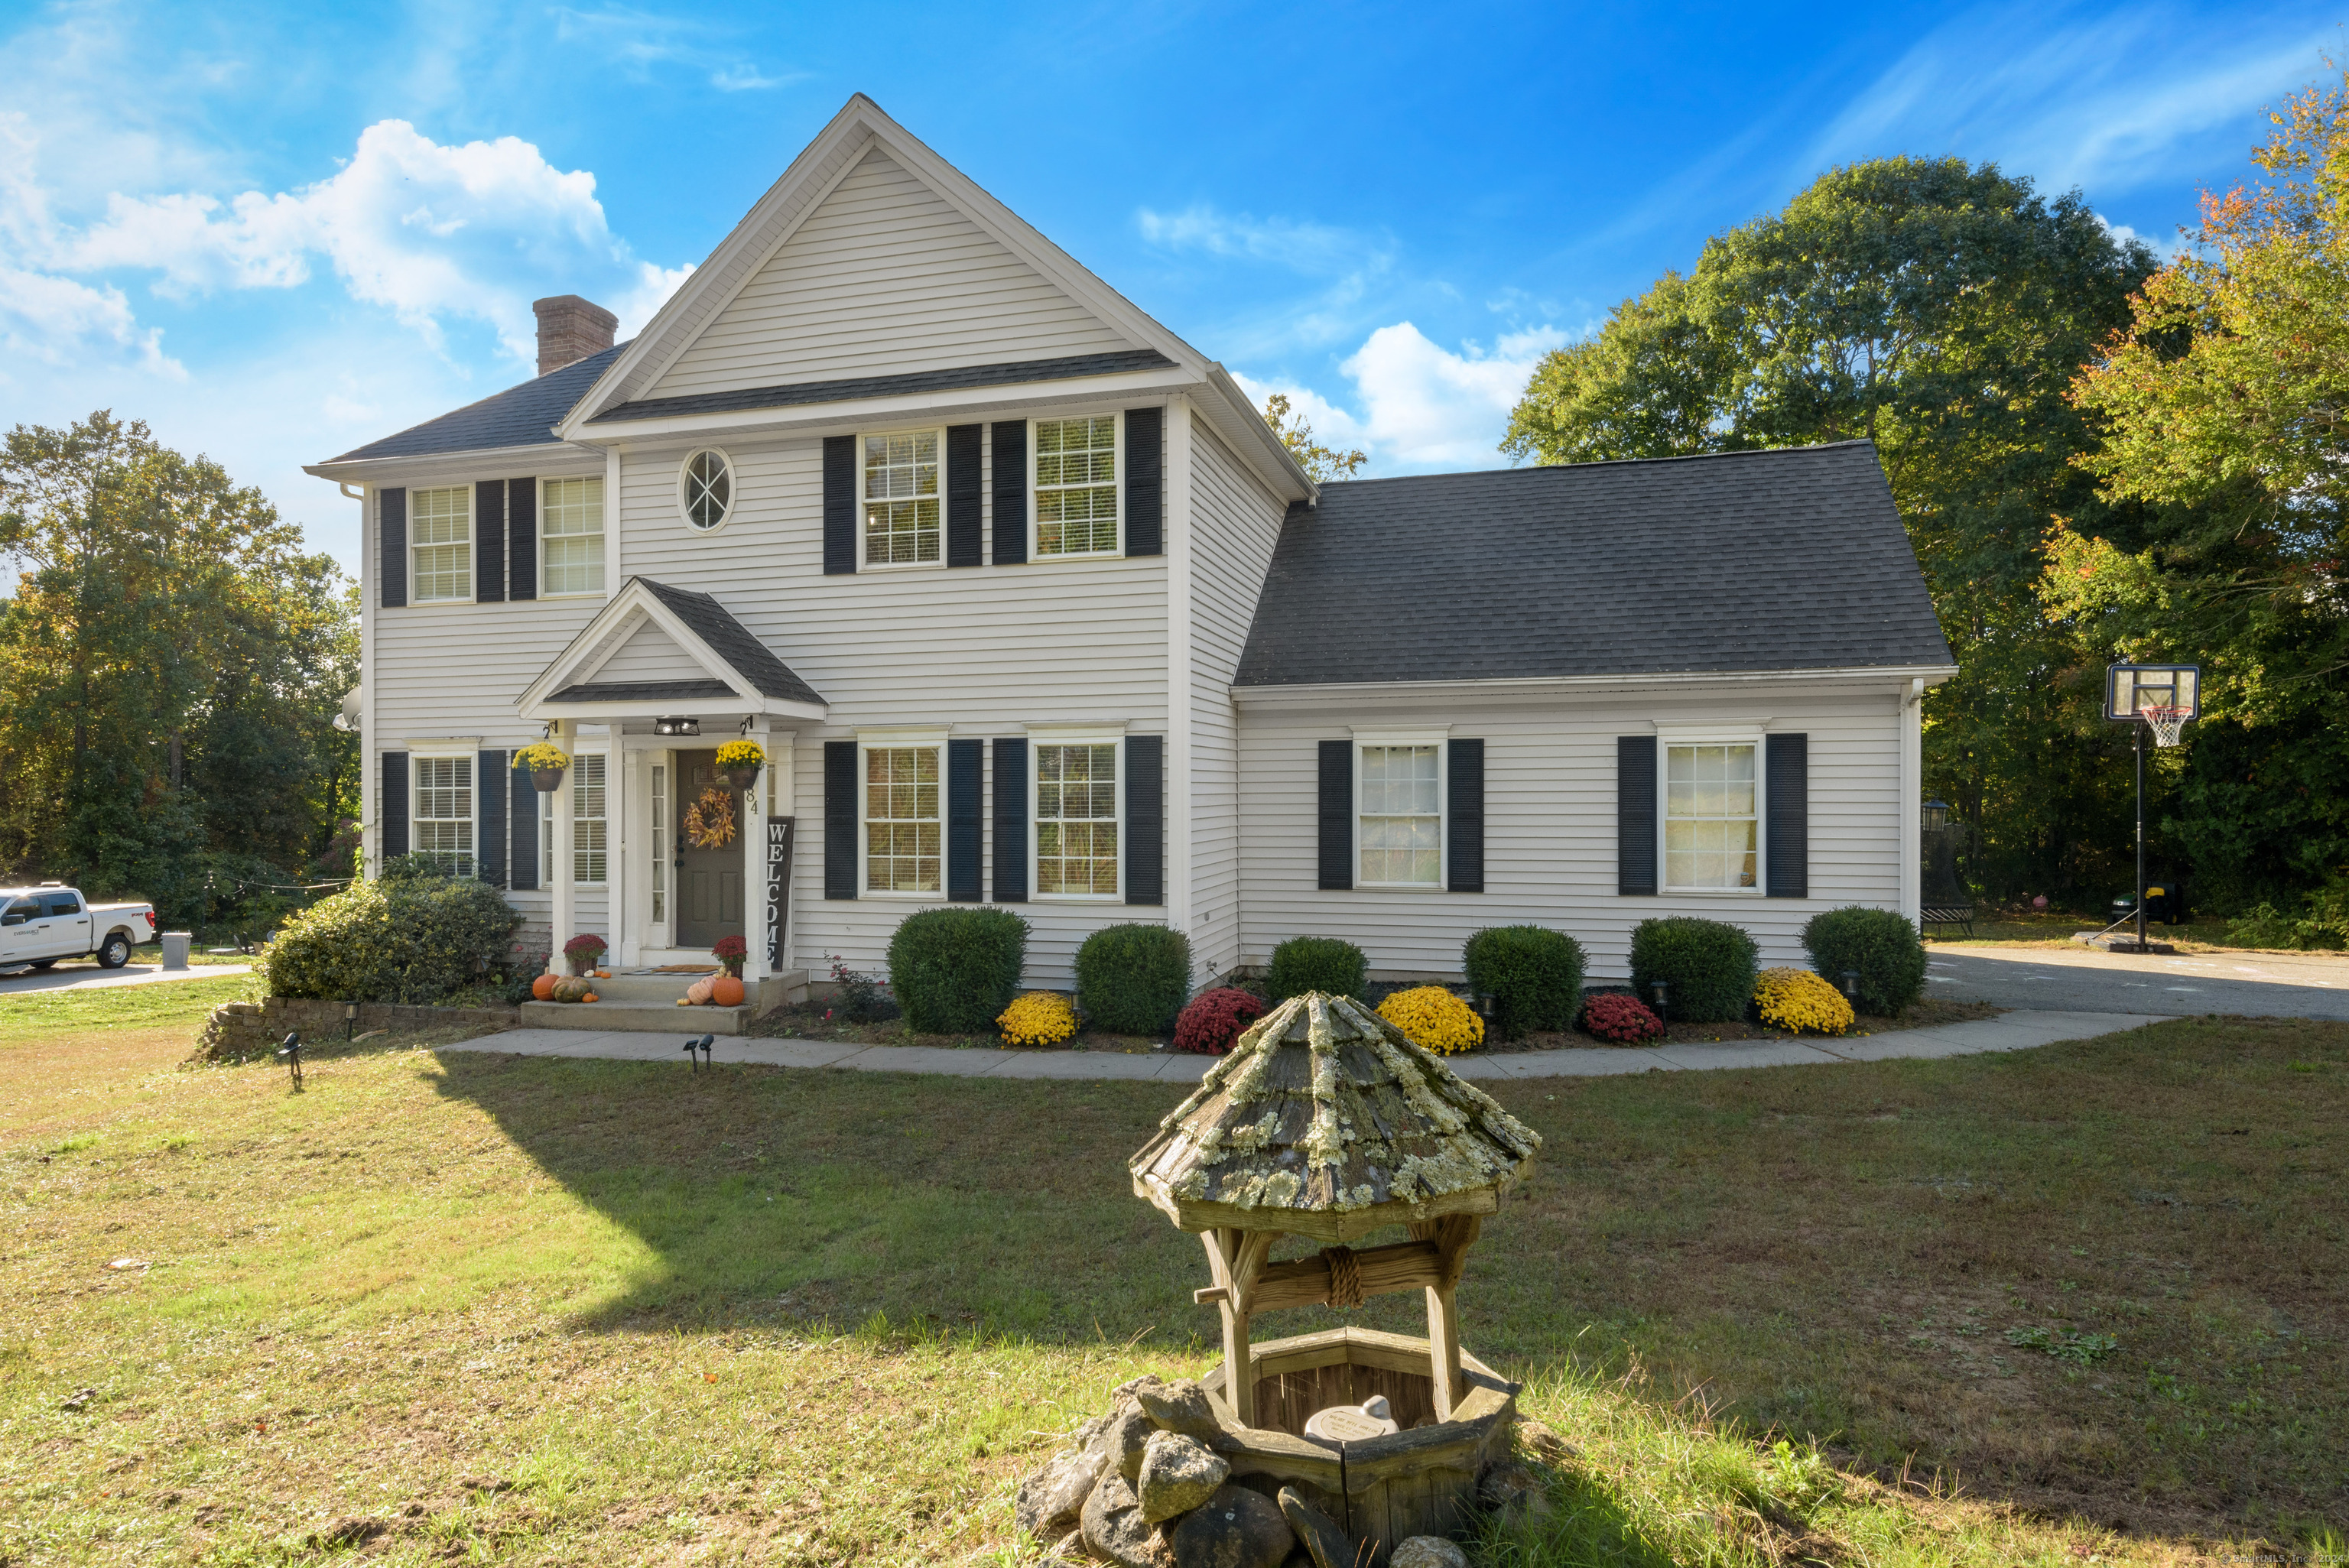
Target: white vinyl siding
point(1077, 474)
point(589, 796)
point(441, 824)
point(1076, 825)
point(1712, 837)
point(884, 276)
point(571, 534)
point(903, 835)
point(441, 545)
point(1400, 821)
point(898, 484)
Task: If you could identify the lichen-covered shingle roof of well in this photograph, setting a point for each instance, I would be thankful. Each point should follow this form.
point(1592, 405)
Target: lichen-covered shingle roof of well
point(522, 416)
point(1786, 560)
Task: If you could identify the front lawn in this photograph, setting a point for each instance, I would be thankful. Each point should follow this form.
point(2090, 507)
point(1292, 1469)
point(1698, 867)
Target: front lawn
point(479, 1307)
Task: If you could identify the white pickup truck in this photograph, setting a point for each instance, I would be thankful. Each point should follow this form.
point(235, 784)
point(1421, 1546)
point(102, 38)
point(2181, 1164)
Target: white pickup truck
point(39, 925)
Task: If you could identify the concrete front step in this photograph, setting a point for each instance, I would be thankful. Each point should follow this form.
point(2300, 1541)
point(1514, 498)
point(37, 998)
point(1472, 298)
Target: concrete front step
point(660, 990)
point(650, 1017)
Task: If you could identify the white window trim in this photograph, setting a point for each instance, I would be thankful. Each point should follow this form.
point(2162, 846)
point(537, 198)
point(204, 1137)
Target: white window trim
point(472, 532)
point(1035, 499)
point(439, 753)
point(1666, 738)
point(733, 492)
point(888, 739)
point(1442, 740)
point(541, 482)
point(1040, 735)
point(864, 565)
point(577, 821)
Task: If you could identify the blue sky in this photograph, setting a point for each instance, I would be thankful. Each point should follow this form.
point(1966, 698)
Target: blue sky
point(275, 232)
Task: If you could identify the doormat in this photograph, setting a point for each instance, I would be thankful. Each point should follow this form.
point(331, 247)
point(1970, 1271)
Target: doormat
point(684, 969)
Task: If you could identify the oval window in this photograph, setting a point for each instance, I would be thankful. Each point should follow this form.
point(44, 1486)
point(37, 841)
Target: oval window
point(707, 490)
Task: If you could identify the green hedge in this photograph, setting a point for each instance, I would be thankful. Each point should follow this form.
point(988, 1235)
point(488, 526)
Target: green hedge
point(1882, 945)
point(1133, 979)
point(955, 970)
point(413, 938)
point(1533, 975)
point(1707, 965)
point(1323, 964)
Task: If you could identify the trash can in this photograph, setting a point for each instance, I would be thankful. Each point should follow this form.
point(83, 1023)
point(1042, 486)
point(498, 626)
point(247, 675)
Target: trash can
point(175, 948)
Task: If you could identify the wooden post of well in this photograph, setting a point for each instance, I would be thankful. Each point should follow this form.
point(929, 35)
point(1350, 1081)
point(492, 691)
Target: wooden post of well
point(1452, 1236)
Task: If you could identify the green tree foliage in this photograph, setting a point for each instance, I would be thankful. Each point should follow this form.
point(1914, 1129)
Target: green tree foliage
point(2226, 404)
point(171, 665)
point(1939, 309)
point(1320, 463)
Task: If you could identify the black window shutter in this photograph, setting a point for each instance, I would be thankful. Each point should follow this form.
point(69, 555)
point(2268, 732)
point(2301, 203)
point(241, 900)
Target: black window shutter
point(1010, 820)
point(489, 789)
point(838, 816)
point(522, 542)
point(489, 540)
point(1337, 813)
point(1635, 815)
point(1145, 475)
point(1010, 438)
point(391, 808)
point(1145, 819)
point(839, 525)
point(965, 499)
point(965, 822)
point(1463, 787)
point(1787, 779)
point(522, 834)
point(391, 537)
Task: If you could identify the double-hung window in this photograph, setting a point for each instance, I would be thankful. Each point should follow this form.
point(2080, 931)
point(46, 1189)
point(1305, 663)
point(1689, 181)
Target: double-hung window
point(1076, 486)
point(1712, 835)
point(1401, 831)
point(589, 861)
point(441, 545)
point(442, 826)
point(900, 480)
point(571, 533)
point(904, 836)
point(1077, 820)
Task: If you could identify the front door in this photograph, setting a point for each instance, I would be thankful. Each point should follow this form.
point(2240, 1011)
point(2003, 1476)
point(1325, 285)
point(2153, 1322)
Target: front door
point(708, 880)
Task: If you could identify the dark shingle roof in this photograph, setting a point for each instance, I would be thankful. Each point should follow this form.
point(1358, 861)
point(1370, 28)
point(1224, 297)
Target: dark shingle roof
point(1010, 374)
point(1784, 559)
point(729, 639)
point(522, 416)
point(644, 691)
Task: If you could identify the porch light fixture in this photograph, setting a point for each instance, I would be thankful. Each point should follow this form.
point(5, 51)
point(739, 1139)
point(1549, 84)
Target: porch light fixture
point(676, 727)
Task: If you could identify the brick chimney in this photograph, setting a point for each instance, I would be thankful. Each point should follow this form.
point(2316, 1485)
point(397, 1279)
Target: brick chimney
point(570, 329)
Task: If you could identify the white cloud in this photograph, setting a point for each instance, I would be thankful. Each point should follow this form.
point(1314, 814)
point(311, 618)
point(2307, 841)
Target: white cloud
point(1316, 248)
point(654, 286)
point(639, 40)
point(1424, 405)
point(54, 319)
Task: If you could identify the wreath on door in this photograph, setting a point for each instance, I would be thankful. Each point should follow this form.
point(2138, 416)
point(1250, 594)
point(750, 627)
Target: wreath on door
point(709, 822)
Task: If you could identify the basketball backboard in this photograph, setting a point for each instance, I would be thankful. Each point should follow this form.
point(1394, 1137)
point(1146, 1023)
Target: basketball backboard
point(2131, 690)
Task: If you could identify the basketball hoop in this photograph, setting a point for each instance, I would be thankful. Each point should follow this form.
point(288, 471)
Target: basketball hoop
point(2166, 723)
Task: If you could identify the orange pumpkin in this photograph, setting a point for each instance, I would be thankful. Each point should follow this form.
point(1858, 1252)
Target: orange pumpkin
point(543, 988)
point(699, 992)
point(726, 991)
point(603, 975)
point(591, 996)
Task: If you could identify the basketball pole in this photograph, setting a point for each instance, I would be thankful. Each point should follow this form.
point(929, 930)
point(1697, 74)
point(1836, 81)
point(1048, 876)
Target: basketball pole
point(2140, 728)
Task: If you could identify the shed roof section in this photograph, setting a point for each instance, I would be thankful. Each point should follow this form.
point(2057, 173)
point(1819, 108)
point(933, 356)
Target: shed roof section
point(1786, 560)
point(522, 416)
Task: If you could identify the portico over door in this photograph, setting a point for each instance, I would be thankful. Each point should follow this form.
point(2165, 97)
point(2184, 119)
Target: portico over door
point(709, 881)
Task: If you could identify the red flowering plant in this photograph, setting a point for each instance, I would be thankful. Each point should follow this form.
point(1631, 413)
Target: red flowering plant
point(1625, 1021)
point(731, 951)
point(583, 951)
point(1215, 1019)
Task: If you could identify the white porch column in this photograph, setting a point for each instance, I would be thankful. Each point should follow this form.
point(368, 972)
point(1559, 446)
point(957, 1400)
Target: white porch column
point(754, 868)
point(558, 875)
point(1910, 719)
point(370, 749)
point(621, 913)
point(1178, 674)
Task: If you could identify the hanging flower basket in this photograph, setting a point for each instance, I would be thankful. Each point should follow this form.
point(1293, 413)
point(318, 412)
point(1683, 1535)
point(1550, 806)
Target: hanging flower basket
point(740, 760)
point(545, 762)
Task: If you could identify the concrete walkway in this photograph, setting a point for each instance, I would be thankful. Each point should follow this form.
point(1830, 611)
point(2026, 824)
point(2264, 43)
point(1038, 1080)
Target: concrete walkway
point(90, 977)
point(2011, 1032)
point(2090, 980)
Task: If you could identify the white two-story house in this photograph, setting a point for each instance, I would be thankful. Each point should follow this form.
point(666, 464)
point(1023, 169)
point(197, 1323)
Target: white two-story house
point(1029, 606)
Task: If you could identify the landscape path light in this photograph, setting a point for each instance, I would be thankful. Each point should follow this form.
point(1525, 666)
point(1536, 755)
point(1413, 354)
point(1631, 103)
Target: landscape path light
point(1657, 988)
point(291, 1054)
point(703, 1045)
point(1851, 988)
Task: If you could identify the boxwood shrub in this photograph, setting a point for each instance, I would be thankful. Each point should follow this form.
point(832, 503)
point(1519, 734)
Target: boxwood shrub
point(953, 970)
point(1882, 945)
point(1132, 979)
point(1533, 975)
point(1708, 967)
point(1305, 963)
point(412, 938)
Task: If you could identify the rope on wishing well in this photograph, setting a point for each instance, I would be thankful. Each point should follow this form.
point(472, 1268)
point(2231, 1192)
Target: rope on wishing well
point(1345, 1276)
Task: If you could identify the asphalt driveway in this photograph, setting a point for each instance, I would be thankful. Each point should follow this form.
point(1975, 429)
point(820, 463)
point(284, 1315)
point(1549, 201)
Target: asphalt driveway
point(88, 976)
point(2088, 980)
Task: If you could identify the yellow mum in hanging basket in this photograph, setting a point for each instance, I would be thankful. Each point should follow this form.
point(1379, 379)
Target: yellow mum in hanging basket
point(1797, 1000)
point(1435, 1019)
point(1037, 1019)
point(741, 754)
